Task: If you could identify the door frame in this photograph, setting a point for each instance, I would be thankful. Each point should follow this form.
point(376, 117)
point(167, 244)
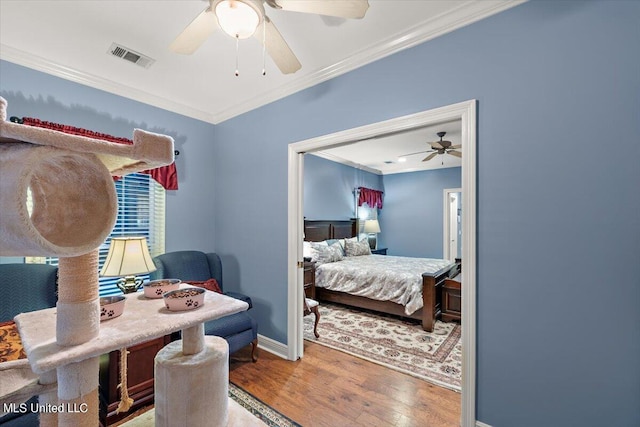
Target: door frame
point(466, 112)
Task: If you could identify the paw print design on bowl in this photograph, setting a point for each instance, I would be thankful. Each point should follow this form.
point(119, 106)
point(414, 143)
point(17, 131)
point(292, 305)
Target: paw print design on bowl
point(111, 307)
point(184, 299)
point(156, 288)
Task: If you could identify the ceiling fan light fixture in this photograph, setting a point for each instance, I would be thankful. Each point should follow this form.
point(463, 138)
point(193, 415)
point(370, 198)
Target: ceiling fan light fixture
point(237, 18)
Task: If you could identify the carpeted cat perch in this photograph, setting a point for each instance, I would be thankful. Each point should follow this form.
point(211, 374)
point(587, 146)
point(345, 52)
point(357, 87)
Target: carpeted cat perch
point(74, 209)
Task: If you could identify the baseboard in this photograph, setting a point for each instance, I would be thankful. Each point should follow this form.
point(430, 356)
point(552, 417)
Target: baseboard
point(272, 346)
point(481, 424)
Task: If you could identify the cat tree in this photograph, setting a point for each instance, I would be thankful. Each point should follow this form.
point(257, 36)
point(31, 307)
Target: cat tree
point(74, 210)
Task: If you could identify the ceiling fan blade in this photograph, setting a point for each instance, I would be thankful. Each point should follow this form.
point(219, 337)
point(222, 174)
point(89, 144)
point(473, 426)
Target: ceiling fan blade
point(354, 9)
point(455, 153)
point(429, 157)
point(436, 145)
point(192, 37)
point(417, 152)
point(456, 147)
point(278, 48)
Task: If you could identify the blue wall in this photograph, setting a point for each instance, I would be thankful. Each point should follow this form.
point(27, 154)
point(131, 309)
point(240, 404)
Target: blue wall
point(190, 210)
point(328, 188)
point(412, 218)
point(558, 211)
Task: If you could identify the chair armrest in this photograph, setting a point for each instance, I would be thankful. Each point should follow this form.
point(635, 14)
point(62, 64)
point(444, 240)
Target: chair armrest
point(241, 297)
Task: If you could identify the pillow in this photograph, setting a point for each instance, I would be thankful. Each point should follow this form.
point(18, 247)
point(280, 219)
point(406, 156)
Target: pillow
point(312, 251)
point(327, 253)
point(306, 250)
point(357, 248)
point(210, 285)
point(10, 343)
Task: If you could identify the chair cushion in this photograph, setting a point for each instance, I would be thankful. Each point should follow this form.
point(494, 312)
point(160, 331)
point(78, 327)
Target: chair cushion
point(229, 325)
point(311, 302)
point(10, 342)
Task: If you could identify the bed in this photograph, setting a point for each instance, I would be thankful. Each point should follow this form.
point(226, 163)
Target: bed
point(364, 281)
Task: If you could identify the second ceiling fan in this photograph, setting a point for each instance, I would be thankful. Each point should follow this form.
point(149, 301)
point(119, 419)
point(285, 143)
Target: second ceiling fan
point(242, 19)
point(440, 147)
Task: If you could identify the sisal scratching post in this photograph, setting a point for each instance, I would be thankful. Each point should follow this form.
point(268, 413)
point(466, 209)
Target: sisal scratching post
point(78, 299)
point(192, 390)
point(78, 321)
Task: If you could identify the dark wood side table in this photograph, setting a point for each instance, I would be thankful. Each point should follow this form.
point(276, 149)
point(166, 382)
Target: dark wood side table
point(452, 299)
point(310, 279)
point(379, 251)
point(140, 378)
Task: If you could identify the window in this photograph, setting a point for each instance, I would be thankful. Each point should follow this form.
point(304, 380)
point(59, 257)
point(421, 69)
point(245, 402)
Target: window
point(141, 212)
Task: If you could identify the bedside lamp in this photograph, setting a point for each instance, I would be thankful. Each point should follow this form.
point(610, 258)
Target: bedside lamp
point(127, 257)
point(371, 227)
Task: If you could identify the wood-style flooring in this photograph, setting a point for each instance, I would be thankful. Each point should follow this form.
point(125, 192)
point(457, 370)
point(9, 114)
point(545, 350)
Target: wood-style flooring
point(330, 388)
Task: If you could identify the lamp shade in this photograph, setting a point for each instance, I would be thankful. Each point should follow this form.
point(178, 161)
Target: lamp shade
point(371, 226)
point(127, 256)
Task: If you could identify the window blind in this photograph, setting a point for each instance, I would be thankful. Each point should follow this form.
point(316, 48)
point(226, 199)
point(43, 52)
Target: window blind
point(141, 212)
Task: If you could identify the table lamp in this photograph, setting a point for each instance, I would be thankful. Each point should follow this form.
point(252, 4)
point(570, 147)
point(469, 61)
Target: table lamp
point(371, 227)
point(127, 257)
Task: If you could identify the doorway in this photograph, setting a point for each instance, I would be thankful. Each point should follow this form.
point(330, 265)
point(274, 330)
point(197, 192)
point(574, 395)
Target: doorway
point(466, 113)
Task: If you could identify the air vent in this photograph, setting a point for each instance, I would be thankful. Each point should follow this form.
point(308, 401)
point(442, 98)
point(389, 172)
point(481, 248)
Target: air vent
point(130, 55)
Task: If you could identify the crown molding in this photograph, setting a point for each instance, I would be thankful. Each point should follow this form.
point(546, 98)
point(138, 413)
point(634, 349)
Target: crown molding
point(38, 63)
point(464, 14)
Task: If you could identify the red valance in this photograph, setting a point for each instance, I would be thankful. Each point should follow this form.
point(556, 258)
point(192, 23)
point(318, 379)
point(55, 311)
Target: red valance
point(167, 176)
point(373, 198)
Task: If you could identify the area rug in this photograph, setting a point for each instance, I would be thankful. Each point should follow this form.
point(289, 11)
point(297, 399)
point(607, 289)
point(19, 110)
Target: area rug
point(399, 344)
point(255, 406)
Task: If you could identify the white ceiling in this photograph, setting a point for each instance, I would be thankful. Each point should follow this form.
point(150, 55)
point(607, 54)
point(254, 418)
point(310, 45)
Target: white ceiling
point(71, 39)
point(381, 155)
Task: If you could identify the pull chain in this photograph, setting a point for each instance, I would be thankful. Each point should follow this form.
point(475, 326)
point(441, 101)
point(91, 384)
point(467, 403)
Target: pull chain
point(237, 54)
point(264, 45)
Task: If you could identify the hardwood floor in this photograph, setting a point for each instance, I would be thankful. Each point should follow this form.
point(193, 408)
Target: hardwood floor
point(330, 388)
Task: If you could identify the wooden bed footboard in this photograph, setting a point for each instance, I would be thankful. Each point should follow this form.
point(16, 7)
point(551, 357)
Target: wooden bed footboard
point(431, 299)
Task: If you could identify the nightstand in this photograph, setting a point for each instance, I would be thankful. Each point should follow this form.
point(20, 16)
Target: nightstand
point(451, 299)
point(379, 251)
point(310, 279)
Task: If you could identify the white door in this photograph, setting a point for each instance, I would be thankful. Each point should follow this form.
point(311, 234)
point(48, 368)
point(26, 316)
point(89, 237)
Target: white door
point(453, 226)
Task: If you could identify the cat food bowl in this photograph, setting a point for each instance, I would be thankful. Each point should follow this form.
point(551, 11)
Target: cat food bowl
point(111, 307)
point(156, 288)
point(184, 299)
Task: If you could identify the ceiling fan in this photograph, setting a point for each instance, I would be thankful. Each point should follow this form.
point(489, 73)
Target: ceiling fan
point(440, 147)
point(242, 19)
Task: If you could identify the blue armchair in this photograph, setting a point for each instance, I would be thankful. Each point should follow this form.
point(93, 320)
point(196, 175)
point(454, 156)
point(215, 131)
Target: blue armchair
point(240, 329)
point(39, 281)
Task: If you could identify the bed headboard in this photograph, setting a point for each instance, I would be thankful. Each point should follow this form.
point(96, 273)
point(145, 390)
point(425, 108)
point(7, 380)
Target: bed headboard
point(319, 230)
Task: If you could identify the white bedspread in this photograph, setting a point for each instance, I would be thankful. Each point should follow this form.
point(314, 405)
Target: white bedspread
point(380, 277)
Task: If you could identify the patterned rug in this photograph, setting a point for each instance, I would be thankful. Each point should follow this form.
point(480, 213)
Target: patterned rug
point(259, 409)
point(255, 406)
point(396, 343)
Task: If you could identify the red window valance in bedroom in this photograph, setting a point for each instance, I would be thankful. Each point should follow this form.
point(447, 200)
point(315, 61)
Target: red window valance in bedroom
point(167, 176)
point(373, 198)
